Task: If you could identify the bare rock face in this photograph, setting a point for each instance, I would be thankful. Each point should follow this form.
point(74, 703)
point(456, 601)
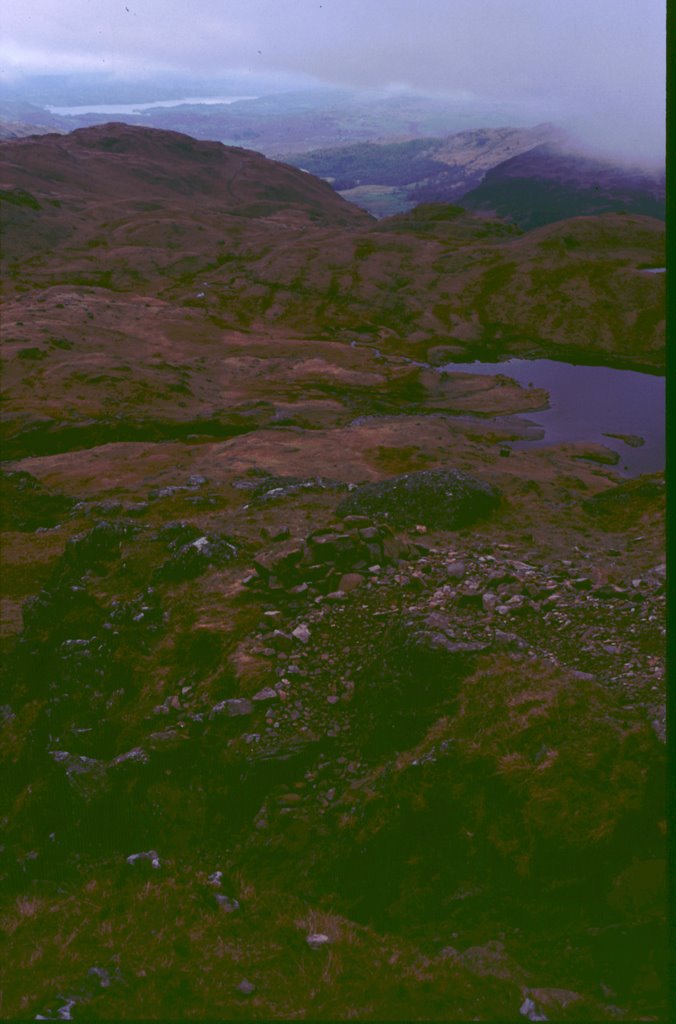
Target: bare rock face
point(440, 498)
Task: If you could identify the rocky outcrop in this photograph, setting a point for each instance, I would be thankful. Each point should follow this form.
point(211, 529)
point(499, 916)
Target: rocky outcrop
point(330, 561)
point(27, 506)
point(445, 499)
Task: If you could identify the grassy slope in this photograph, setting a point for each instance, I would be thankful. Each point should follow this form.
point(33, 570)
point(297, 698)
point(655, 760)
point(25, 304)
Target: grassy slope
point(393, 851)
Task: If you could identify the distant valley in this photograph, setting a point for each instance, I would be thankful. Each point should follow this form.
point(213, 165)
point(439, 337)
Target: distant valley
point(296, 120)
point(530, 176)
point(384, 152)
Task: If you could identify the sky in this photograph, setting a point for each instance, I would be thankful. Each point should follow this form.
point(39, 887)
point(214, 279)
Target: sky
point(597, 64)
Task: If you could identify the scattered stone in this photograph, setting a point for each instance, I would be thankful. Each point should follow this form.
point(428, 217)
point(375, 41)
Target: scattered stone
point(267, 693)
point(149, 856)
point(228, 905)
point(317, 940)
point(301, 633)
point(87, 776)
point(63, 1012)
point(555, 1001)
point(529, 1010)
point(130, 759)
point(102, 974)
point(194, 558)
point(233, 707)
point(280, 641)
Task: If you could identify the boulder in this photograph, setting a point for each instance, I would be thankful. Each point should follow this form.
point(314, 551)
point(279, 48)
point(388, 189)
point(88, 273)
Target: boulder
point(350, 581)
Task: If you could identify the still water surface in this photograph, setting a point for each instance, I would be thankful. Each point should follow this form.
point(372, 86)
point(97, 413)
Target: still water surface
point(136, 108)
point(586, 402)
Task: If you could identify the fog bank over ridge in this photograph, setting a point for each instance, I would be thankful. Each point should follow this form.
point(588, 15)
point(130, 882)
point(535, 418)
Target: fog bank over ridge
point(596, 69)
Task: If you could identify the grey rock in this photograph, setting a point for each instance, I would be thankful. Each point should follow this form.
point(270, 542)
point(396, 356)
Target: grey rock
point(102, 974)
point(529, 1010)
point(585, 677)
point(267, 693)
point(137, 757)
point(226, 903)
point(148, 856)
point(302, 633)
point(246, 987)
point(234, 707)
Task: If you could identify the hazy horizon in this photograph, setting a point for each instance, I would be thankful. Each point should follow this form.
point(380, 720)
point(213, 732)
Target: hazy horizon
point(598, 70)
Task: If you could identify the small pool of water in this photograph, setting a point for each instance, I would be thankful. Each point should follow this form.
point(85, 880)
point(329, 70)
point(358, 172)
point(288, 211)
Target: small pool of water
point(588, 402)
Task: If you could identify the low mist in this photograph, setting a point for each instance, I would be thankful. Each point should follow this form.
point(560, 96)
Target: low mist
point(596, 69)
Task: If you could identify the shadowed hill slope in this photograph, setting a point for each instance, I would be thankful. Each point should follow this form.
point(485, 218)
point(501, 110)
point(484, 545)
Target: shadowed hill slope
point(548, 184)
point(120, 162)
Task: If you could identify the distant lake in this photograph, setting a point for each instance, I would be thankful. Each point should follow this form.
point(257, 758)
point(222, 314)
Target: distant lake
point(586, 402)
point(137, 108)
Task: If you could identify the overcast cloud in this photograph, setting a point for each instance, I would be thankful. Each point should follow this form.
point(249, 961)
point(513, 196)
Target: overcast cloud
point(599, 63)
